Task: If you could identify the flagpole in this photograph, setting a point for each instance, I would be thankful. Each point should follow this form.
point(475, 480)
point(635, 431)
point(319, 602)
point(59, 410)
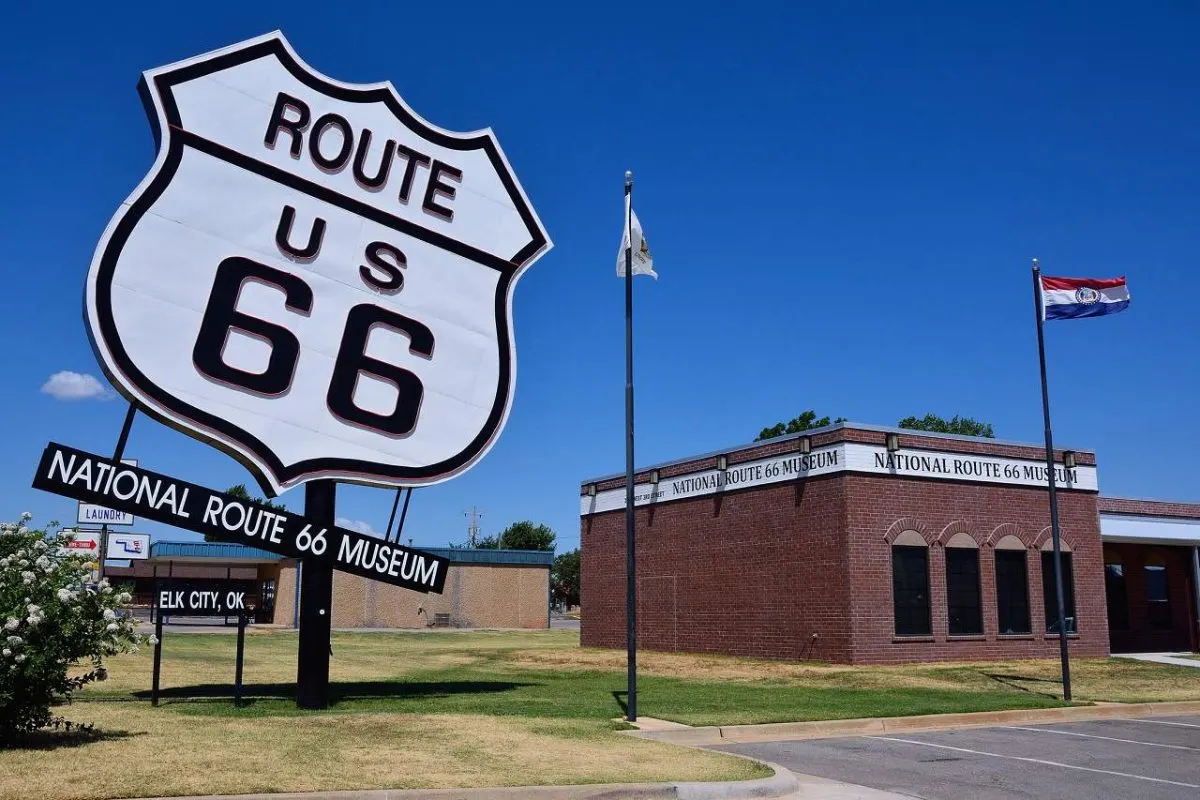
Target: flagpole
point(1064, 657)
point(630, 555)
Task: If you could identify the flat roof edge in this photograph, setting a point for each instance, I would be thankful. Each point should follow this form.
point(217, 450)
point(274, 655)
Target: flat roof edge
point(954, 437)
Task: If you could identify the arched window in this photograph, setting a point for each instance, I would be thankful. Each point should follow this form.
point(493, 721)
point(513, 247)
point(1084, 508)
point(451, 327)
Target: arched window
point(1012, 586)
point(1050, 587)
point(910, 585)
point(963, 607)
point(1158, 600)
point(1116, 596)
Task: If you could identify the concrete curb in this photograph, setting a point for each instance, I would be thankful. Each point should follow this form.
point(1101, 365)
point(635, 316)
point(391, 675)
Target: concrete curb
point(782, 784)
point(781, 731)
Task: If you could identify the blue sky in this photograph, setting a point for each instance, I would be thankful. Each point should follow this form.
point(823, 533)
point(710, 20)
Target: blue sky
point(842, 203)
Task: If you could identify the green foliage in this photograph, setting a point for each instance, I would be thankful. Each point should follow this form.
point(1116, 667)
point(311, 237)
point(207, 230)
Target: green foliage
point(242, 493)
point(564, 577)
point(523, 535)
point(51, 617)
point(806, 421)
point(963, 426)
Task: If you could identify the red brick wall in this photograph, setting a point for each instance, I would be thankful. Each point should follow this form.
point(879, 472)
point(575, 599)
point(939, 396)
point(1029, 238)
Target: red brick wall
point(879, 508)
point(1152, 508)
point(759, 571)
point(1140, 637)
point(754, 572)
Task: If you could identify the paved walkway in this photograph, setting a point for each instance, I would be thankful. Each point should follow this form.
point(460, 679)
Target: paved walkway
point(1162, 658)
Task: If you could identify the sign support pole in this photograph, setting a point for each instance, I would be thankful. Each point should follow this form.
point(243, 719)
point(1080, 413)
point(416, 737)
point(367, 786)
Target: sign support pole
point(1064, 656)
point(630, 555)
point(117, 453)
point(241, 651)
point(158, 634)
point(316, 597)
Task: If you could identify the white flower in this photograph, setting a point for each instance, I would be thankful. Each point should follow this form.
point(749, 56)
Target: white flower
point(20, 657)
point(22, 553)
point(42, 561)
point(4, 562)
point(125, 597)
point(31, 608)
point(40, 545)
point(24, 562)
point(112, 626)
point(26, 516)
point(27, 578)
point(12, 624)
point(109, 614)
point(103, 584)
point(65, 594)
point(152, 639)
point(6, 652)
point(15, 640)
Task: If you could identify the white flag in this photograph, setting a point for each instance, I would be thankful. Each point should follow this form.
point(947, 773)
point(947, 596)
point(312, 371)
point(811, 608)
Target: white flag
point(643, 262)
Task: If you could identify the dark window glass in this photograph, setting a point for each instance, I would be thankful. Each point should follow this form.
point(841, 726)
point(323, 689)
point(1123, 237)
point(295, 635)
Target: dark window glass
point(1012, 591)
point(962, 591)
point(1050, 592)
point(910, 590)
point(1116, 597)
point(1157, 599)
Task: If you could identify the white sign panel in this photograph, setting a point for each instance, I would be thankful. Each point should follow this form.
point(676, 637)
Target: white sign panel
point(846, 457)
point(312, 277)
point(132, 546)
point(90, 514)
point(82, 543)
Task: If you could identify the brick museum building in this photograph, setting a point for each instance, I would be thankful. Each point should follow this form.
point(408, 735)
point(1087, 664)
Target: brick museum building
point(864, 544)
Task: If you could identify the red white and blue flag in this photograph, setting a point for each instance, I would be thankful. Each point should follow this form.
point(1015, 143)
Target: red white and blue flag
point(1069, 298)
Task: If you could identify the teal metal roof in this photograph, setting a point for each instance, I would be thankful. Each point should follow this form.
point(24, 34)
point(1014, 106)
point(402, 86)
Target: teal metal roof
point(217, 551)
point(464, 555)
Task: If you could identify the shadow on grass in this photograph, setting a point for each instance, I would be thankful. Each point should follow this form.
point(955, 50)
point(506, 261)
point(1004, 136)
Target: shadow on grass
point(60, 739)
point(1020, 683)
point(338, 692)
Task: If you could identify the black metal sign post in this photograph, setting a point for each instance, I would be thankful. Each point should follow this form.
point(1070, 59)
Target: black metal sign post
point(158, 635)
point(316, 597)
point(241, 652)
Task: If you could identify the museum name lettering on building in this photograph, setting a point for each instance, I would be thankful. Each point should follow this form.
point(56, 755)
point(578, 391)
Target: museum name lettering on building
point(844, 457)
point(960, 467)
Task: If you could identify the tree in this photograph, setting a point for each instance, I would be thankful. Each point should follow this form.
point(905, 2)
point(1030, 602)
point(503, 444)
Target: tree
point(963, 426)
point(523, 535)
point(52, 617)
point(242, 493)
point(564, 578)
point(806, 421)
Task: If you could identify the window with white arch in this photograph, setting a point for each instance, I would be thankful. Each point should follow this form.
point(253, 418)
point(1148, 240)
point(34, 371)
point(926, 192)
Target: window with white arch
point(964, 609)
point(1012, 586)
point(910, 585)
point(1050, 587)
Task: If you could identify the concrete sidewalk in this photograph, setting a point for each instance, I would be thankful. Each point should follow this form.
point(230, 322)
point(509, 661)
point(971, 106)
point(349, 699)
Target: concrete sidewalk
point(783, 784)
point(1161, 658)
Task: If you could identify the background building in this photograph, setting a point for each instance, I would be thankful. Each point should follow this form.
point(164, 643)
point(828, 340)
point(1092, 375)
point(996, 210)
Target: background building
point(863, 544)
point(484, 588)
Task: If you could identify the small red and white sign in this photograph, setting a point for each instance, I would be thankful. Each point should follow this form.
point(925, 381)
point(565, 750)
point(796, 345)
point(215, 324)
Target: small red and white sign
point(85, 543)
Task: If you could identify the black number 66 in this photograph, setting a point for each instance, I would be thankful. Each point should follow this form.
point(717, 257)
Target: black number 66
point(221, 316)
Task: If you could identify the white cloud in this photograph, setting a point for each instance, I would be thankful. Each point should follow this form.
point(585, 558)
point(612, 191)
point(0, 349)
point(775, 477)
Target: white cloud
point(357, 525)
point(67, 385)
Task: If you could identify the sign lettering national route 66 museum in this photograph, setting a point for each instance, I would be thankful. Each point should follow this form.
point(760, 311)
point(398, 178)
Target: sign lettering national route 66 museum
point(312, 277)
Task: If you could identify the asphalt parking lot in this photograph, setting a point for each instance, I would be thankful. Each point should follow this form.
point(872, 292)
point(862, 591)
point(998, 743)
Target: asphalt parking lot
point(1118, 758)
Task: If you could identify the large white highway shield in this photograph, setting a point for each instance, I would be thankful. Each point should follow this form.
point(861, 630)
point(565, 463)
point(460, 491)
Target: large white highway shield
point(312, 277)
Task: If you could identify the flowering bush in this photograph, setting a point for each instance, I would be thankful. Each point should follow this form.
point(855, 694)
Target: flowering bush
point(51, 617)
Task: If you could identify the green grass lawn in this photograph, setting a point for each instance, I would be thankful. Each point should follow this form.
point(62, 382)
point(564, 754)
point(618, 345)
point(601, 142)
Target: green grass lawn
point(450, 709)
point(546, 674)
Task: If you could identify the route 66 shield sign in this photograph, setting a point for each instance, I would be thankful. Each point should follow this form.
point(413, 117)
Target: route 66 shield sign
point(312, 277)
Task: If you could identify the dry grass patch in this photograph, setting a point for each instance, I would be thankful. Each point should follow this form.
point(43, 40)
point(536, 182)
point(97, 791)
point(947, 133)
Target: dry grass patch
point(150, 752)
